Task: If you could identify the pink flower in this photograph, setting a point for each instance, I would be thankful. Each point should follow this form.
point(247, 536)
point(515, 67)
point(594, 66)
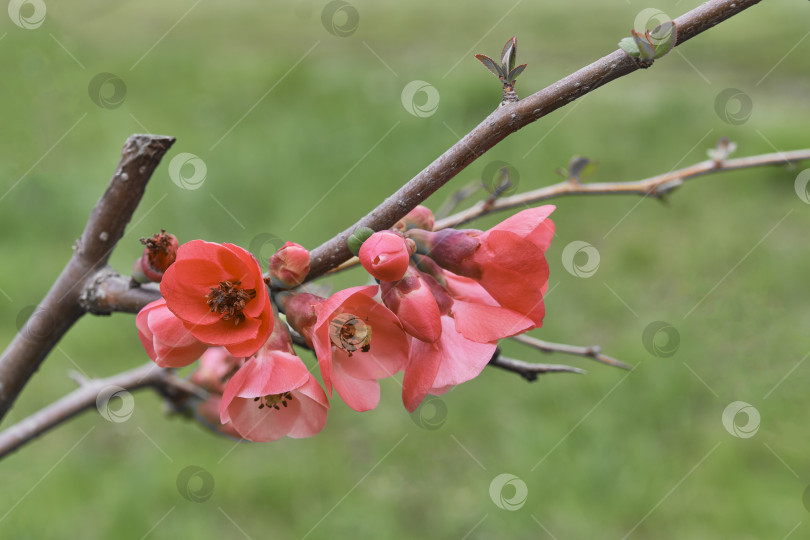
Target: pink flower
point(218, 291)
point(272, 396)
point(508, 260)
point(357, 341)
point(290, 264)
point(167, 342)
point(385, 255)
point(439, 356)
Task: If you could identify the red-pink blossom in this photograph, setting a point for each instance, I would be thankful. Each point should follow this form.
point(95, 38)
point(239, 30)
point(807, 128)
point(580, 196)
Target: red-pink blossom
point(385, 255)
point(166, 340)
point(218, 291)
point(273, 395)
point(508, 260)
point(357, 341)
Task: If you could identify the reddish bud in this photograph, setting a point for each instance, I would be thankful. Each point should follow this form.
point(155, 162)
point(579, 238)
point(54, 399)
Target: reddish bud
point(413, 302)
point(300, 311)
point(385, 255)
point(451, 249)
point(290, 264)
point(419, 218)
point(160, 252)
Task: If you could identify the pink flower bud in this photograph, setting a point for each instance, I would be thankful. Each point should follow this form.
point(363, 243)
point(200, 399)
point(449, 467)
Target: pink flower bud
point(385, 256)
point(419, 218)
point(300, 311)
point(452, 249)
point(290, 264)
point(413, 302)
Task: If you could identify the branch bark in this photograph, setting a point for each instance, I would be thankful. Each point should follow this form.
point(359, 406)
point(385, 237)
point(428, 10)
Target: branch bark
point(529, 370)
point(506, 120)
point(86, 396)
point(60, 308)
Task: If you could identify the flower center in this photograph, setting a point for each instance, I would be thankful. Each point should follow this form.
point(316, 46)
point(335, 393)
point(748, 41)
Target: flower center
point(272, 401)
point(229, 299)
point(350, 333)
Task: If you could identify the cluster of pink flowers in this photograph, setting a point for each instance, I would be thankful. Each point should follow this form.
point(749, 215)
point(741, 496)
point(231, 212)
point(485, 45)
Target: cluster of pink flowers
point(442, 302)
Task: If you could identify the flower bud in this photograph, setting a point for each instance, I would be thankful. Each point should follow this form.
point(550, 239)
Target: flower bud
point(451, 249)
point(290, 264)
point(300, 311)
point(413, 303)
point(385, 255)
point(419, 218)
point(160, 252)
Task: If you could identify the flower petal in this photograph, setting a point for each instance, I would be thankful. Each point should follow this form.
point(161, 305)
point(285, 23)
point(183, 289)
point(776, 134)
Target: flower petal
point(532, 225)
point(420, 373)
point(359, 394)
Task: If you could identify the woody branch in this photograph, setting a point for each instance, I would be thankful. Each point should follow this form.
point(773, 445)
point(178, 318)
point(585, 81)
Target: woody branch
point(505, 121)
point(61, 308)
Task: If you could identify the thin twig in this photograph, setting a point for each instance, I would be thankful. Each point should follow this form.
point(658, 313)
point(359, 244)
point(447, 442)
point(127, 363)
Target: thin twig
point(594, 352)
point(60, 308)
point(506, 120)
point(85, 397)
point(650, 187)
point(528, 370)
point(655, 186)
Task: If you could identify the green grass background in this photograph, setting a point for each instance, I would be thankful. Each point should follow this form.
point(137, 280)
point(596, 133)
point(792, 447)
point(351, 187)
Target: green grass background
point(601, 454)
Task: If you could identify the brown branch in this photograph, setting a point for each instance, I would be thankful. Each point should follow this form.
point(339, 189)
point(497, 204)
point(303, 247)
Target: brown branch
point(60, 308)
point(649, 187)
point(593, 352)
point(656, 186)
point(528, 370)
point(86, 396)
point(506, 120)
point(109, 291)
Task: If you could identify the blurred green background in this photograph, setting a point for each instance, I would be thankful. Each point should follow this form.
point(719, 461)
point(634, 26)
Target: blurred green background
point(303, 131)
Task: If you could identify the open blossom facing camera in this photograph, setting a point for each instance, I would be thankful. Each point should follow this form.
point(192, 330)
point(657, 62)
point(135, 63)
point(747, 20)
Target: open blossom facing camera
point(274, 395)
point(218, 292)
point(357, 341)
